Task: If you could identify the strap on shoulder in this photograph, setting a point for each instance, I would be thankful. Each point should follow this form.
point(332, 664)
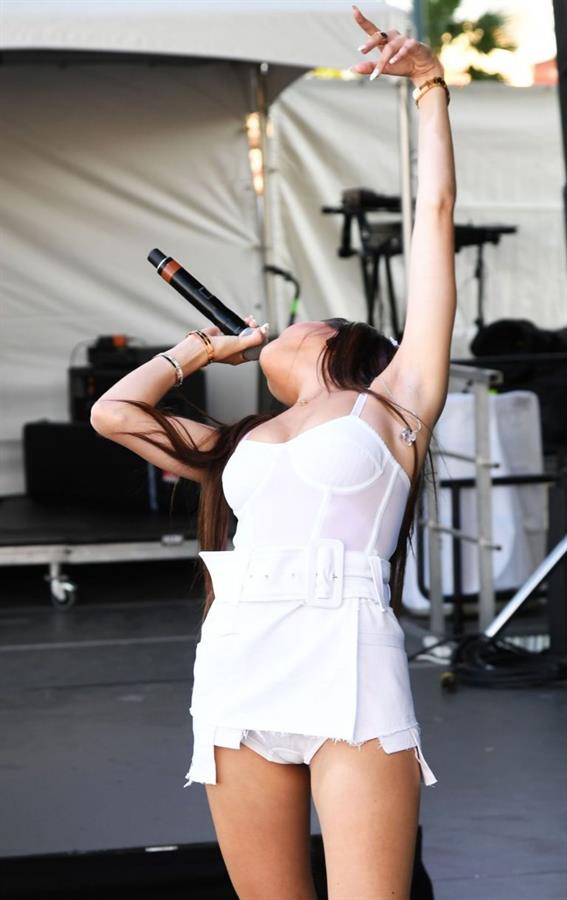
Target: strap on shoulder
point(358, 404)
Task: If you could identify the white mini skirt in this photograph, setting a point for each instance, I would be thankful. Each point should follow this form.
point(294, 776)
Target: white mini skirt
point(300, 641)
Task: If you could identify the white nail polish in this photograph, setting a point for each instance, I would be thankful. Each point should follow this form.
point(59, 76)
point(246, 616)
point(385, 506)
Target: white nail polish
point(374, 75)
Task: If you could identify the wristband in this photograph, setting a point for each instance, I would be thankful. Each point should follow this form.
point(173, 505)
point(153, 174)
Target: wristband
point(438, 81)
point(175, 363)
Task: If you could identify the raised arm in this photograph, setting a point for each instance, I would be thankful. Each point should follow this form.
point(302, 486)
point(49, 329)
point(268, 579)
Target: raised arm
point(424, 353)
point(418, 375)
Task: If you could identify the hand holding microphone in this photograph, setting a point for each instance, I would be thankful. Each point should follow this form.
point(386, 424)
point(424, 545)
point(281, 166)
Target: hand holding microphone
point(244, 340)
point(234, 349)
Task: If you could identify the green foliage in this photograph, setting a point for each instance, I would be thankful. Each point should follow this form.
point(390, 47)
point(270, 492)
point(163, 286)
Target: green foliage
point(439, 15)
point(485, 34)
point(490, 33)
point(481, 75)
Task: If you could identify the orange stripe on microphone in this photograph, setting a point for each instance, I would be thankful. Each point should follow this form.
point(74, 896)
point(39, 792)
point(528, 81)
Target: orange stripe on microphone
point(169, 270)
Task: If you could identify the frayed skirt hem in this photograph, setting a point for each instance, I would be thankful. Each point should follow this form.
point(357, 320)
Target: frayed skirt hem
point(303, 747)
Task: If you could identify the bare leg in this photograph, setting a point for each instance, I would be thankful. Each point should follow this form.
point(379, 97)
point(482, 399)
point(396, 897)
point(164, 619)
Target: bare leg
point(367, 801)
point(260, 812)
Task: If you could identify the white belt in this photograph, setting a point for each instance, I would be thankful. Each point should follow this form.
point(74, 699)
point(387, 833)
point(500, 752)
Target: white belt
point(322, 573)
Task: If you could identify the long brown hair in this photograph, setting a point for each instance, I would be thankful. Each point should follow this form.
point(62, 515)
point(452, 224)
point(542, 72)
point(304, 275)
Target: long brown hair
point(350, 359)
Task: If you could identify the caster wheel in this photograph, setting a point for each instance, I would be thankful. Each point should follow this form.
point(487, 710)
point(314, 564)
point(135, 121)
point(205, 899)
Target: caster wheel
point(63, 594)
point(449, 682)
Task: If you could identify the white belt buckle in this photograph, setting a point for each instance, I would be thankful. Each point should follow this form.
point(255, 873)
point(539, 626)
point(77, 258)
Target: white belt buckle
point(325, 570)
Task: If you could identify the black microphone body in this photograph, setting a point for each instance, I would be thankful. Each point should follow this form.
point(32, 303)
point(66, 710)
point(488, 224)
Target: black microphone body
point(197, 294)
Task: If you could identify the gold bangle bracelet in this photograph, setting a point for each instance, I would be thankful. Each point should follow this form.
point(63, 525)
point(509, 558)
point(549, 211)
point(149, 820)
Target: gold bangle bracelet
point(420, 91)
point(208, 344)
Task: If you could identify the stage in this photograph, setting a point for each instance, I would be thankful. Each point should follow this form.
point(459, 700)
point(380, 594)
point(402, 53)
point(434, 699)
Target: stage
point(97, 738)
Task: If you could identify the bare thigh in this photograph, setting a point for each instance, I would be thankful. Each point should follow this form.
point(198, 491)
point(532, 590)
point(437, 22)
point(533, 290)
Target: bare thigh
point(260, 812)
point(367, 801)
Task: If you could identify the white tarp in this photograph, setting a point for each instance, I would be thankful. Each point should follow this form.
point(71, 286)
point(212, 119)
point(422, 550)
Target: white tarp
point(303, 33)
point(331, 135)
point(98, 164)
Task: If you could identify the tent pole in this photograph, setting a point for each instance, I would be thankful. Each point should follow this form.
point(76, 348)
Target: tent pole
point(405, 175)
point(560, 14)
point(263, 199)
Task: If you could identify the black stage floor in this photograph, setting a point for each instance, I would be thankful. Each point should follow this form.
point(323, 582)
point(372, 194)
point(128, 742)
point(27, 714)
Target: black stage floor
point(96, 738)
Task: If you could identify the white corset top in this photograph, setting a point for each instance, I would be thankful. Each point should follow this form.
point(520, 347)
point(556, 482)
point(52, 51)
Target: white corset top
point(335, 480)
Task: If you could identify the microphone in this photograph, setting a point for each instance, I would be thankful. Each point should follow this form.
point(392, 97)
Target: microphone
point(202, 299)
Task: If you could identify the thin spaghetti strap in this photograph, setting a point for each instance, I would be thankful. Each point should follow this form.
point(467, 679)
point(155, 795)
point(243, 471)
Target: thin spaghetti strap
point(358, 404)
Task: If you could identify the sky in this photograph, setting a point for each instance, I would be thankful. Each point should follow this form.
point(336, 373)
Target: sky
point(531, 27)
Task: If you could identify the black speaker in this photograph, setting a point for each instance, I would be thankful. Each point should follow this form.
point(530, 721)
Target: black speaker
point(88, 383)
point(69, 462)
point(531, 359)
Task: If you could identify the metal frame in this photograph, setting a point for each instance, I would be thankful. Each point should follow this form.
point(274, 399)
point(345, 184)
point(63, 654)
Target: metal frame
point(544, 569)
point(482, 380)
point(63, 590)
point(263, 201)
point(456, 486)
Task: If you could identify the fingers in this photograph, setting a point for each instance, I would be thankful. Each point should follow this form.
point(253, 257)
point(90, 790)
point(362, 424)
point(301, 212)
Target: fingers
point(394, 51)
point(250, 320)
point(364, 23)
point(254, 339)
point(377, 41)
point(259, 331)
point(405, 48)
point(364, 68)
point(387, 53)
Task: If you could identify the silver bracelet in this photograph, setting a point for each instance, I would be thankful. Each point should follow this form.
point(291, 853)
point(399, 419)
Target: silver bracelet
point(175, 363)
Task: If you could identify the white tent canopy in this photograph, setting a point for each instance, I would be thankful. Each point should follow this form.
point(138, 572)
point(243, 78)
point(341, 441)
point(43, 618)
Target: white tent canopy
point(304, 33)
point(100, 162)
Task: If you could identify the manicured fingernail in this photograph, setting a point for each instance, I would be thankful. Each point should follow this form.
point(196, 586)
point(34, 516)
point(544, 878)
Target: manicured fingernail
point(362, 48)
point(265, 327)
point(393, 59)
point(375, 74)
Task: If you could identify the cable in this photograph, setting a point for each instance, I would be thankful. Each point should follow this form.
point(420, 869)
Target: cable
point(495, 662)
point(499, 663)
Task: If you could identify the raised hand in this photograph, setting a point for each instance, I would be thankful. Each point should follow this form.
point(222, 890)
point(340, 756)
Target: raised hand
point(399, 54)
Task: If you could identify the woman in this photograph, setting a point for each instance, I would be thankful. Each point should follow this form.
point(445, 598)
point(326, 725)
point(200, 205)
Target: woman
point(301, 680)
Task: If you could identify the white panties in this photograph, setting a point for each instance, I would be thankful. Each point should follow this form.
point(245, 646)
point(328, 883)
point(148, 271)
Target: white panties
point(285, 747)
